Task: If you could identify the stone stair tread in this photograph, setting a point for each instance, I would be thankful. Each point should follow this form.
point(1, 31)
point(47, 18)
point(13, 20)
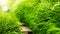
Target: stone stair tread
point(26, 29)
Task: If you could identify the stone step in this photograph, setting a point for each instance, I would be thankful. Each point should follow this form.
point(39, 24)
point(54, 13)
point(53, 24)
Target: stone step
point(26, 30)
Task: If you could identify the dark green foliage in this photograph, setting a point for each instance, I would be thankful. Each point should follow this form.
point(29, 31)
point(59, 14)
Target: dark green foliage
point(40, 16)
point(13, 32)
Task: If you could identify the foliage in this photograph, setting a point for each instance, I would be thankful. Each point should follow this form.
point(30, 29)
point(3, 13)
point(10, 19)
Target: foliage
point(40, 15)
point(9, 24)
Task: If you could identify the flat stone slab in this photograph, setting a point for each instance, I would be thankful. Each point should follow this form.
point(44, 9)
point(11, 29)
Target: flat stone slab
point(26, 29)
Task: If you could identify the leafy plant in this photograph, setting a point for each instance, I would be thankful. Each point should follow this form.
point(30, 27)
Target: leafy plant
point(40, 15)
point(9, 24)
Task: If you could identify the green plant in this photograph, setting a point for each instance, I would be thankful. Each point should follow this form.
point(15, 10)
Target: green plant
point(9, 24)
point(39, 15)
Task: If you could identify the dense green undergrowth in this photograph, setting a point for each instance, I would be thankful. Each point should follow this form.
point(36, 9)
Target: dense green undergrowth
point(42, 16)
point(9, 24)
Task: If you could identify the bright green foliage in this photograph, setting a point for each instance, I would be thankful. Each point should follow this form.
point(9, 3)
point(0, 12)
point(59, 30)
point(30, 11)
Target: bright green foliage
point(40, 15)
point(54, 32)
point(9, 24)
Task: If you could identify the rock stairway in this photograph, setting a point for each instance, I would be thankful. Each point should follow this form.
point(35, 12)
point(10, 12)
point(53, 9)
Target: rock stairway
point(25, 29)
